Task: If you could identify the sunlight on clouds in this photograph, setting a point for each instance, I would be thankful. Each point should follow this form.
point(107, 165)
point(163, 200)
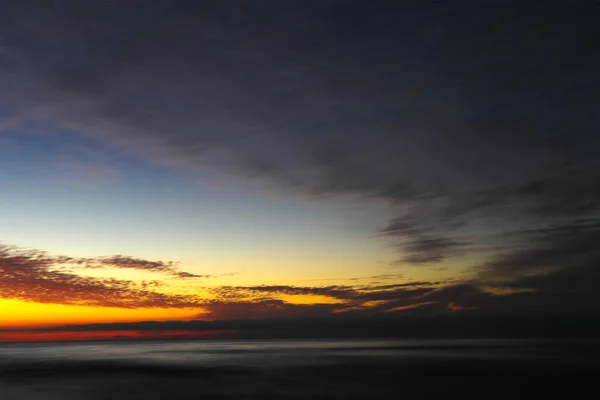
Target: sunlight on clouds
point(308, 299)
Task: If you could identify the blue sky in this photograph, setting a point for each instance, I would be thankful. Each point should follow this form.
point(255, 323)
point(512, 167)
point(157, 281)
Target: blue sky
point(73, 196)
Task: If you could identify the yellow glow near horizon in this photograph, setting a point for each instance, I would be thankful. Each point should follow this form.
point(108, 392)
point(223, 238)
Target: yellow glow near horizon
point(22, 314)
point(308, 299)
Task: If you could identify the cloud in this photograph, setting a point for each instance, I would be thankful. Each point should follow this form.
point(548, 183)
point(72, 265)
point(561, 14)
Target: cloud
point(537, 280)
point(43, 260)
point(34, 276)
point(359, 278)
point(118, 261)
point(542, 285)
point(572, 245)
point(340, 292)
point(248, 301)
point(420, 244)
point(477, 126)
point(556, 270)
point(264, 309)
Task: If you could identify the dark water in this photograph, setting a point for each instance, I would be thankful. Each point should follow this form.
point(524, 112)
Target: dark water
point(316, 369)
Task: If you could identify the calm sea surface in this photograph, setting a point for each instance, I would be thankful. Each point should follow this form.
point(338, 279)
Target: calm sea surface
point(297, 369)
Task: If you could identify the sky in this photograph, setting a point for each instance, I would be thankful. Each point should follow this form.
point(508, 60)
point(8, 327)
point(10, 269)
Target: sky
point(181, 162)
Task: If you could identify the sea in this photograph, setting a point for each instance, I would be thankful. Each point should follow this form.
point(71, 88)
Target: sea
point(301, 369)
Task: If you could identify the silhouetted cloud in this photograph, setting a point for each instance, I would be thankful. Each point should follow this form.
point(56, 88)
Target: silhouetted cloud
point(420, 244)
point(340, 292)
point(532, 280)
point(363, 299)
point(556, 269)
point(543, 285)
point(32, 275)
point(571, 245)
point(264, 308)
point(42, 259)
point(169, 268)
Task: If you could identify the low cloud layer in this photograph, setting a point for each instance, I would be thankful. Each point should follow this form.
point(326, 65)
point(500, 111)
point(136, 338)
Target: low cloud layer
point(34, 276)
point(38, 277)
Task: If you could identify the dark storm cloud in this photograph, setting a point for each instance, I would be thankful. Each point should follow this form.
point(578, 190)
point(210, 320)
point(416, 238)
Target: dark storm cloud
point(476, 121)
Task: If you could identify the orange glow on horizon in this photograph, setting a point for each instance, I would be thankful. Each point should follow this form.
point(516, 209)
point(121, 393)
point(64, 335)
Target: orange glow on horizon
point(64, 336)
point(16, 314)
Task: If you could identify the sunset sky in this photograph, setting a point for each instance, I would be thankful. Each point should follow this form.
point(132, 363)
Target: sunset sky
point(233, 160)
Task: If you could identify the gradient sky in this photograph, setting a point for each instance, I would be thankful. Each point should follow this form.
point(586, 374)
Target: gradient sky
point(182, 160)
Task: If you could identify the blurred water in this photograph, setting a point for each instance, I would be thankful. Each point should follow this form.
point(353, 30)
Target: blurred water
point(299, 369)
point(271, 353)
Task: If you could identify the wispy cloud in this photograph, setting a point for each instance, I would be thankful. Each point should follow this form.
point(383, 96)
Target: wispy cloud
point(538, 277)
point(119, 261)
point(32, 275)
point(255, 301)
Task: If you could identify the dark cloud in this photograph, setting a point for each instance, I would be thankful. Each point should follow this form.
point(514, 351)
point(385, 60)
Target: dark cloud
point(359, 293)
point(551, 289)
point(465, 112)
point(568, 291)
point(169, 268)
point(264, 309)
point(476, 121)
point(419, 243)
point(556, 270)
point(359, 299)
point(547, 249)
point(35, 276)
point(42, 259)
